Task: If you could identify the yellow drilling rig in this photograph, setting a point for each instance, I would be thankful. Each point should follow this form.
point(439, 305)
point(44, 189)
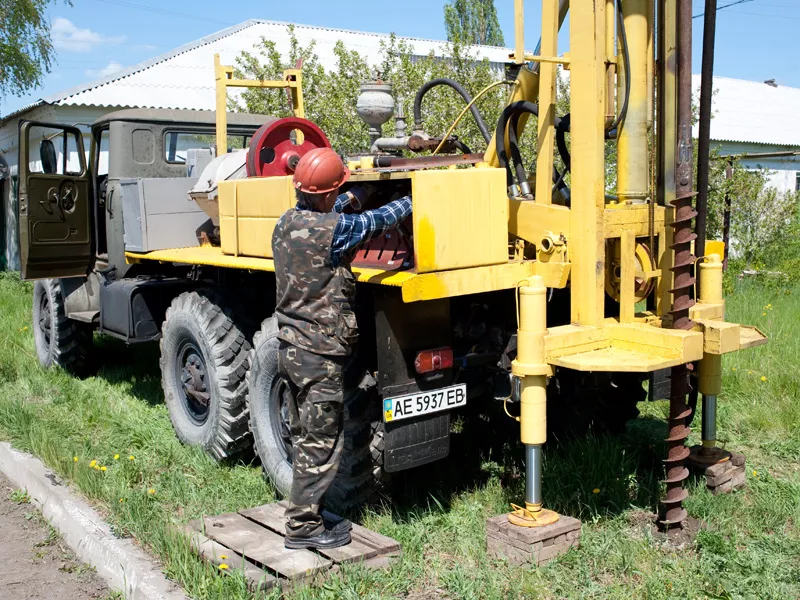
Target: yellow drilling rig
point(504, 281)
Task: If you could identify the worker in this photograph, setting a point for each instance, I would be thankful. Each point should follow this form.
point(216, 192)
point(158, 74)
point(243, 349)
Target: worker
point(313, 246)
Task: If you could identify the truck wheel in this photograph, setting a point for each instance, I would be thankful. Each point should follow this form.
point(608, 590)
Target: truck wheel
point(360, 474)
point(204, 362)
point(59, 340)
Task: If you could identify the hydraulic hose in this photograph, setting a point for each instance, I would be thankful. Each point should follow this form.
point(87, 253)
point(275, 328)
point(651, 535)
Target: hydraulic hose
point(462, 92)
point(561, 141)
point(522, 106)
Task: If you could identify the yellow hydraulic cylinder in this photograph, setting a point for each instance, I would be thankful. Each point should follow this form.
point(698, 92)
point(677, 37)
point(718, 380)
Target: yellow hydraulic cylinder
point(532, 370)
point(709, 376)
point(530, 365)
point(632, 151)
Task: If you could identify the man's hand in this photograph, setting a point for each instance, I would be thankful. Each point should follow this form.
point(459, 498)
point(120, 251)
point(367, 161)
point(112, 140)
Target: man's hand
point(360, 194)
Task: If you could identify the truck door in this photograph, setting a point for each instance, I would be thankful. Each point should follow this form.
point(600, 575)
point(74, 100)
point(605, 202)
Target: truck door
point(54, 202)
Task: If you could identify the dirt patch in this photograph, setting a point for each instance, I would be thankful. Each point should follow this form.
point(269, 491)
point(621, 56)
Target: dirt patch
point(642, 521)
point(36, 561)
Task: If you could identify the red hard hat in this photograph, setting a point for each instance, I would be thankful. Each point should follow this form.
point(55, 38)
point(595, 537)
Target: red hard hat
point(320, 171)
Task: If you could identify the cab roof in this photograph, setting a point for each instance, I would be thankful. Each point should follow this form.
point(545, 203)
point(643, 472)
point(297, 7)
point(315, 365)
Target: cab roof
point(182, 116)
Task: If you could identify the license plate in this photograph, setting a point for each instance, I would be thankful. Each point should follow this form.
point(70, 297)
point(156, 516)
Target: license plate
point(423, 403)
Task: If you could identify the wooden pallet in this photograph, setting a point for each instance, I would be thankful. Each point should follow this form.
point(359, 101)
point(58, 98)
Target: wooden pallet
point(251, 541)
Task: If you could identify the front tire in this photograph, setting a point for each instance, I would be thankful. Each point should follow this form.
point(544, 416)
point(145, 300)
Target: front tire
point(204, 362)
point(60, 341)
point(360, 477)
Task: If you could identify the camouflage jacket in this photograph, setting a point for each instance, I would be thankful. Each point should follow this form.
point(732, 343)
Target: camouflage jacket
point(314, 299)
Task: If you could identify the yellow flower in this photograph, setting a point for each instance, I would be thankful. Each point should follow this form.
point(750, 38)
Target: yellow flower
point(755, 473)
point(24, 328)
point(151, 491)
point(103, 468)
point(121, 500)
point(763, 378)
point(223, 567)
point(749, 372)
point(596, 491)
point(93, 464)
point(763, 314)
point(74, 459)
point(131, 457)
point(116, 457)
point(96, 468)
point(733, 368)
point(223, 556)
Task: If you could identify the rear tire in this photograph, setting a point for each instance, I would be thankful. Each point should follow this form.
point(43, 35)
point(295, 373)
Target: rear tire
point(360, 477)
point(59, 340)
point(204, 362)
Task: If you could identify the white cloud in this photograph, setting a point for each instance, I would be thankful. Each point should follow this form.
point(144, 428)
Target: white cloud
point(109, 69)
point(67, 37)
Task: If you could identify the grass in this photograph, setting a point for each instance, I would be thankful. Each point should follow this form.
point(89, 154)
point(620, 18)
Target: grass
point(750, 548)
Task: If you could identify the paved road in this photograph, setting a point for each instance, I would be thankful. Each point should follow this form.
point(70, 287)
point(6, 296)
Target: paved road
point(34, 561)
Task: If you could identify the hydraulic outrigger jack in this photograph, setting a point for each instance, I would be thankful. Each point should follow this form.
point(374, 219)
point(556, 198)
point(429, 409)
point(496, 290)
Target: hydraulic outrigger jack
point(724, 471)
point(532, 533)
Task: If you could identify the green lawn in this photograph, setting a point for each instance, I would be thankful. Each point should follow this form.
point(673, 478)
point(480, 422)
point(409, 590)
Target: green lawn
point(750, 548)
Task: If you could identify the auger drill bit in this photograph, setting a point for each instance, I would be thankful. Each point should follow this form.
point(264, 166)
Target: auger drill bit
point(677, 452)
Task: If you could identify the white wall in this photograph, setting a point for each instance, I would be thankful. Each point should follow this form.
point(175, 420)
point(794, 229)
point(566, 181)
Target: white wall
point(783, 170)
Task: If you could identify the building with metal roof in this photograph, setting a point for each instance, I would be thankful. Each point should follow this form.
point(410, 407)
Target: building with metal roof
point(184, 79)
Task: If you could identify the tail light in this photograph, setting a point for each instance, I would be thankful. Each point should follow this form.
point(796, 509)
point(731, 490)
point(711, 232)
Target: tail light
point(433, 360)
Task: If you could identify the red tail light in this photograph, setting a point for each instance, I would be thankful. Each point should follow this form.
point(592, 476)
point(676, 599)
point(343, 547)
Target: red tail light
point(433, 360)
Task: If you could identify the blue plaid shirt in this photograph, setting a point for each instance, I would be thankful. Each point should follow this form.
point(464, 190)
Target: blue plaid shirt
point(355, 229)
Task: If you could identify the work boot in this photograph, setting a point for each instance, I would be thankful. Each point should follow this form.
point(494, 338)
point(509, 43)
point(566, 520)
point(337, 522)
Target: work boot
point(326, 540)
point(335, 523)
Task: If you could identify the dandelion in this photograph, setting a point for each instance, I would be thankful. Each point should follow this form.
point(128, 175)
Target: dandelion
point(96, 468)
point(223, 567)
point(74, 459)
point(116, 457)
point(103, 468)
point(763, 378)
point(223, 556)
point(121, 500)
point(755, 473)
point(93, 464)
point(131, 457)
point(596, 491)
point(24, 328)
point(763, 314)
point(151, 491)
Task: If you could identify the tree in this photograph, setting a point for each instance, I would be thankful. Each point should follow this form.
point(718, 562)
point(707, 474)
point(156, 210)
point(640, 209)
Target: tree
point(473, 22)
point(26, 51)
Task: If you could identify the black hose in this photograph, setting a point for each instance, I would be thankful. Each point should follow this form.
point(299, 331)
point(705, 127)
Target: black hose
point(500, 133)
point(626, 60)
point(462, 92)
point(516, 155)
point(561, 141)
point(462, 147)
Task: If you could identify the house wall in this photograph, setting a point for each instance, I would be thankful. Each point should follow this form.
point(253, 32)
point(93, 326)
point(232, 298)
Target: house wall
point(783, 171)
point(79, 116)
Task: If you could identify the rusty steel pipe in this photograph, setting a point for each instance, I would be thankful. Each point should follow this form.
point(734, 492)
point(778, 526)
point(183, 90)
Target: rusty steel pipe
point(673, 513)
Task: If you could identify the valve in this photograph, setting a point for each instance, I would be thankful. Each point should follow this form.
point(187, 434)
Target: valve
point(272, 150)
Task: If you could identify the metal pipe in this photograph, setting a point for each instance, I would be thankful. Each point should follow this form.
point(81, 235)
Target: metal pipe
point(632, 152)
point(709, 426)
point(726, 215)
point(533, 474)
point(704, 125)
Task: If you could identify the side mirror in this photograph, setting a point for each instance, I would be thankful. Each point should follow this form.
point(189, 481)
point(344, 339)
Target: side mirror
point(48, 156)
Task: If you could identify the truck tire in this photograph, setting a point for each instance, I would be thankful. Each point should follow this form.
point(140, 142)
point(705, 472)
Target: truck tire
point(360, 477)
point(59, 340)
point(204, 362)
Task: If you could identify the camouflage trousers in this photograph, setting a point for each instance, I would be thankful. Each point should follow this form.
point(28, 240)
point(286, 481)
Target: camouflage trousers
point(316, 423)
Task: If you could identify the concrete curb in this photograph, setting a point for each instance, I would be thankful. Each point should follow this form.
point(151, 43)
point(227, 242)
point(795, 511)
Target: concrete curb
point(122, 564)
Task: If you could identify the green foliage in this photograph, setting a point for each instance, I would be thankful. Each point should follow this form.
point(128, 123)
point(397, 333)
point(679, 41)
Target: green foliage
point(473, 22)
point(330, 96)
point(26, 51)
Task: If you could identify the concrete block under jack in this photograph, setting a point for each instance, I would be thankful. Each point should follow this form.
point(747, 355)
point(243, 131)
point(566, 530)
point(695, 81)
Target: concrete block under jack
point(534, 545)
point(721, 477)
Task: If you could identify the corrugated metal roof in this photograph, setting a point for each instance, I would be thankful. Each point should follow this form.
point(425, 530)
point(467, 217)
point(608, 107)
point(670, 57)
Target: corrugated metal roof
point(753, 112)
point(184, 77)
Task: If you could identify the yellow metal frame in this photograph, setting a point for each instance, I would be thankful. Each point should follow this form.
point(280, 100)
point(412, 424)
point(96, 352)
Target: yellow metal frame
point(223, 78)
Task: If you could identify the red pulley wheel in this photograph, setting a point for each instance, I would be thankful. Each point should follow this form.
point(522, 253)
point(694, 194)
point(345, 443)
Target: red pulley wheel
point(272, 151)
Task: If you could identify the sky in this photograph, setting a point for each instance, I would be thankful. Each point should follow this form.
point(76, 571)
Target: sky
point(756, 39)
